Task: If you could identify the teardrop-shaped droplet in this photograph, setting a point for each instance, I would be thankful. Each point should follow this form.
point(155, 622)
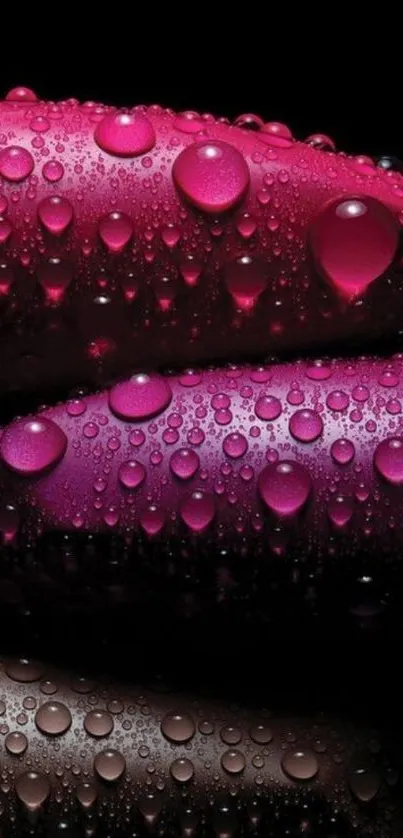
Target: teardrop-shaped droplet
point(197, 510)
point(285, 487)
point(55, 276)
point(56, 214)
point(32, 789)
point(115, 230)
point(246, 280)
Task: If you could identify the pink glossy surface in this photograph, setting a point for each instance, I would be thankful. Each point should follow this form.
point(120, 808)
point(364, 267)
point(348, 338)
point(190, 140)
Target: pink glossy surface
point(205, 453)
point(126, 235)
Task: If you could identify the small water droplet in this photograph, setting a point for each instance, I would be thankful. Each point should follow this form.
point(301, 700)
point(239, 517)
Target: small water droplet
point(115, 230)
point(56, 214)
point(197, 510)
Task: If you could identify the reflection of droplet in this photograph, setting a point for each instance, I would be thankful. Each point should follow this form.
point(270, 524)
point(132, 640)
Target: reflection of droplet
point(285, 487)
point(86, 795)
point(300, 765)
point(364, 783)
point(23, 670)
point(110, 765)
point(197, 510)
point(32, 789)
point(178, 727)
point(53, 718)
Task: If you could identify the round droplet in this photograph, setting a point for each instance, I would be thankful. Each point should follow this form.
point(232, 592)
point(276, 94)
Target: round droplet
point(276, 134)
point(306, 425)
point(178, 727)
point(235, 445)
point(250, 121)
point(337, 400)
point(189, 122)
point(16, 743)
point(268, 408)
point(16, 163)
point(115, 230)
point(21, 94)
point(364, 783)
point(125, 135)
point(354, 241)
point(246, 280)
point(132, 474)
point(342, 451)
point(261, 734)
point(182, 770)
point(184, 463)
point(53, 718)
point(213, 175)
point(230, 735)
point(321, 141)
point(32, 789)
point(388, 460)
point(56, 214)
point(110, 765)
point(197, 510)
point(140, 397)
point(23, 670)
point(98, 723)
point(55, 276)
point(340, 510)
point(233, 761)
point(53, 171)
point(30, 446)
point(285, 487)
point(300, 765)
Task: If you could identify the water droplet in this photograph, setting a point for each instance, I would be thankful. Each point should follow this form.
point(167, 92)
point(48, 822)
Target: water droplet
point(32, 789)
point(178, 727)
point(337, 400)
point(197, 510)
point(250, 121)
point(342, 451)
point(213, 175)
point(76, 407)
point(246, 280)
point(189, 122)
point(98, 723)
point(55, 276)
point(16, 743)
point(321, 141)
point(115, 230)
point(318, 371)
point(354, 242)
point(276, 134)
point(125, 135)
point(132, 474)
point(140, 397)
point(184, 463)
point(86, 795)
point(261, 734)
point(182, 770)
point(300, 765)
point(152, 520)
point(306, 425)
point(55, 214)
point(53, 718)
point(21, 94)
point(230, 735)
point(30, 446)
point(23, 670)
point(53, 171)
point(364, 783)
point(110, 765)
point(233, 761)
point(388, 460)
point(268, 408)
point(285, 487)
point(235, 445)
point(16, 163)
point(340, 510)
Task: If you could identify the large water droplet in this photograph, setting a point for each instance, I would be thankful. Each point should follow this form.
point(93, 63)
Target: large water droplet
point(16, 743)
point(246, 280)
point(285, 487)
point(306, 425)
point(110, 765)
point(23, 670)
point(233, 761)
point(55, 214)
point(115, 230)
point(178, 727)
point(16, 163)
point(32, 789)
point(300, 765)
point(30, 446)
point(21, 94)
point(388, 459)
point(182, 770)
point(342, 451)
point(364, 783)
point(235, 445)
point(354, 241)
point(213, 175)
point(125, 135)
point(53, 718)
point(132, 474)
point(268, 408)
point(142, 396)
point(184, 463)
point(197, 510)
point(98, 723)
